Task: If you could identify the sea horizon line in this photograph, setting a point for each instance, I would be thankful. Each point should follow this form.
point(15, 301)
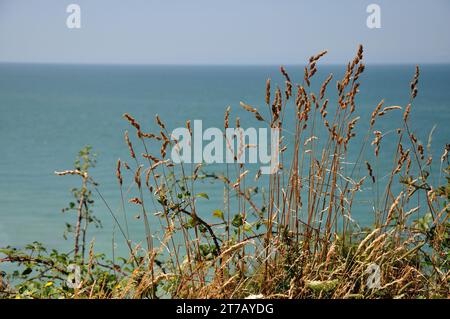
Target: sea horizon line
point(216, 64)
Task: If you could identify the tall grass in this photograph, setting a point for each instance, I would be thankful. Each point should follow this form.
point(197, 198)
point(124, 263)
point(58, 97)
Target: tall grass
point(299, 240)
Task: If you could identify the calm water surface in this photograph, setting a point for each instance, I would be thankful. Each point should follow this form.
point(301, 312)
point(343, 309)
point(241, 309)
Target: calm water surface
point(49, 112)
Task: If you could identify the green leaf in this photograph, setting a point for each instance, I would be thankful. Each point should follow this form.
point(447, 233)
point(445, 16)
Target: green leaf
point(27, 271)
point(237, 221)
point(191, 223)
point(247, 227)
point(219, 214)
point(203, 195)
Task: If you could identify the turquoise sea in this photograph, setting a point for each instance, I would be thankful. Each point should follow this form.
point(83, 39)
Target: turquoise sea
point(49, 112)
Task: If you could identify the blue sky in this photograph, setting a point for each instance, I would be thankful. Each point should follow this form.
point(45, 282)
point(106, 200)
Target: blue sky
point(223, 32)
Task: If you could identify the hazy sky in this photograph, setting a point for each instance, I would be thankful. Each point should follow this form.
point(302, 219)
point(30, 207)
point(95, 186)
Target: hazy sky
point(223, 32)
